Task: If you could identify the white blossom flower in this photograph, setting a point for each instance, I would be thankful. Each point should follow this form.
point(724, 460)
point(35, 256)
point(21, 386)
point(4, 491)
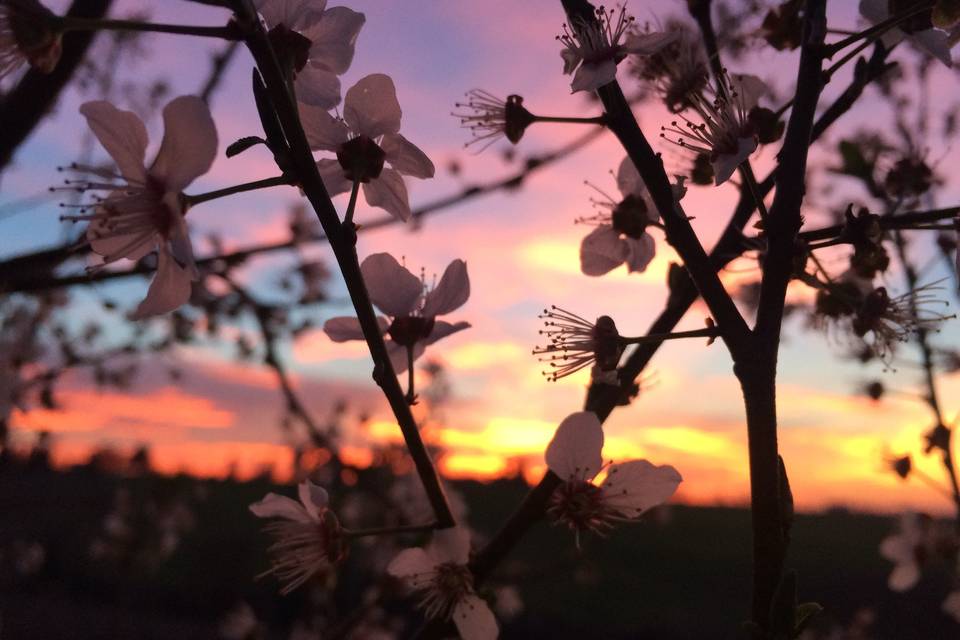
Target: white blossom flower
point(726, 134)
point(490, 118)
point(27, 35)
point(905, 550)
point(308, 536)
point(620, 236)
point(628, 490)
point(364, 140)
point(918, 28)
point(593, 48)
point(317, 41)
point(145, 212)
point(951, 606)
point(412, 306)
point(575, 343)
point(440, 574)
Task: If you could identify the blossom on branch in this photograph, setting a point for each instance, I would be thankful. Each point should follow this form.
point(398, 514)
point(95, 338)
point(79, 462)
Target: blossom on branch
point(318, 43)
point(729, 131)
point(628, 490)
point(440, 575)
point(917, 27)
point(412, 306)
point(365, 139)
point(144, 211)
point(490, 118)
point(620, 236)
point(574, 343)
point(308, 536)
point(27, 34)
point(593, 48)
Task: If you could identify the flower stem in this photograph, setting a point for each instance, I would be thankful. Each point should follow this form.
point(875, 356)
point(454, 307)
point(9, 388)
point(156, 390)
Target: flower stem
point(348, 216)
point(748, 178)
point(239, 188)
point(708, 332)
point(411, 396)
point(601, 119)
point(384, 531)
point(873, 33)
point(69, 23)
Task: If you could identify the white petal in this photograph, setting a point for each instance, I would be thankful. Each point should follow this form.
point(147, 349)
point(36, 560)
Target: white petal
point(875, 10)
point(179, 238)
point(602, 251)
point(443, 329)
point(334, 38)
point(640, 252)
point(724, 165)
point(348, 328)
point(451, 293)
point(317, 86)
point(633, 487)
point(450, 546)
point(122, 134)
point(593, 75)
point(406, 157)
point(934, 42)
point(287, 12)
point(646, 43)
point(897, 548)
point(371, 108)
point(314, 498)
point(413, 565)
point(112, 247)
point(332, 175)
point(189, 143)
point(951, 606)
point(748, 88)
point(904, 576)
point(571, 58)
point(393, 289)
point(399, 358)
point(277, 506)
point(388, 193)
point(574, 451)
point(474, 619)
point(169, 290)
point(628, 179)
point(324, 132)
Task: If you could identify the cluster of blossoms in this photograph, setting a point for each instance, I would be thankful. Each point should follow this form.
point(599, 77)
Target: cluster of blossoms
point(677, 71)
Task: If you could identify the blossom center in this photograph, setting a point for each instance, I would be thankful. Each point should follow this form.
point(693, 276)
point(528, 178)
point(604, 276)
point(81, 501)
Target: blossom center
point(580, 506)
point(450, 584)
point(631, 216)
point(406, 331)
point(361, 158)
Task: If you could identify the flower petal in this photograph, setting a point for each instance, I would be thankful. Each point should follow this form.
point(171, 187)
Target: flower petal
point(724, 165)
point(645, 44)
point(633, 487)
point(388, 193)
point(951, 605)
point(314, 498)
point(450, 546)
point(317, 86)
point(451, 293)
point(934, 42)
point(602, 251)
point(277, 506)
point(443, 329)
point(904, 577)
point(474, 619)
point(412, 565)
point(169, 290)
point(748, 88)
point(189, 143)
point(640, 252)
point(288, 12)
point(628, 179)
point(393, 289)
point(122, 134)
point(593, 75)
point(334, 38)
point(574, 451)
point(406, 157)
point(571, 58)
point(347, 328)
point(399, 358)
point(371, 107)
point(324, 132)
point(332, 175)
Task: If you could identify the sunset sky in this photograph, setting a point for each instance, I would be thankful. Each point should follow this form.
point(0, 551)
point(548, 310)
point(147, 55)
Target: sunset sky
point(521, 248)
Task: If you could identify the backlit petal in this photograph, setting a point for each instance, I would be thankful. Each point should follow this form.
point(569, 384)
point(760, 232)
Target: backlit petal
point(640, 251)
point(593, 75)
point(371, 107)
point(317, 86)
point(189, 143)
point(393, 289)
point(474, 619)
point(277, 506)
point(574, 451)
point(169, 290)
point(406, 157)
point(122, 134)
point(602, 251)
point(633, 487)
point(452, 291)
point(389, 193)
point(334, 38)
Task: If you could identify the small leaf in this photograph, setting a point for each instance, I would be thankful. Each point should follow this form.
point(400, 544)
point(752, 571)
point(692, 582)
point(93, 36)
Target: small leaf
point(243, 144)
